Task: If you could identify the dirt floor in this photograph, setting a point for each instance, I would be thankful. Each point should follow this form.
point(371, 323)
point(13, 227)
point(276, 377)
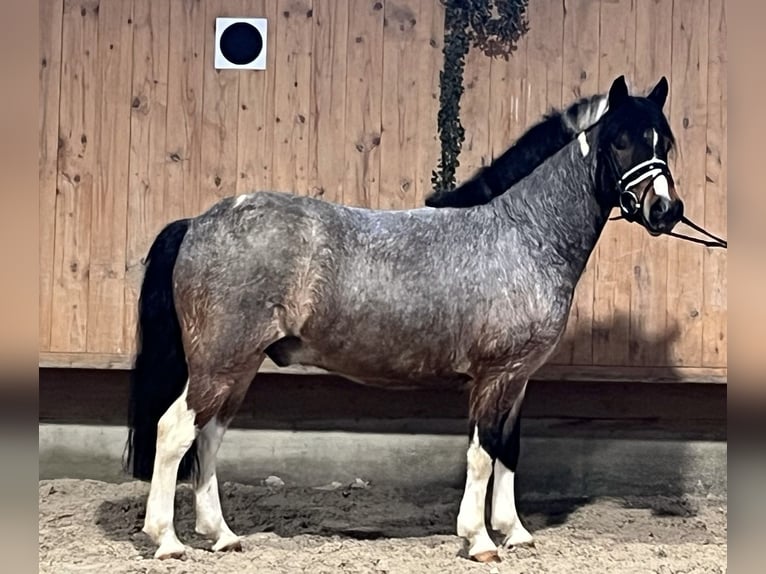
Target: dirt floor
point(90, 526)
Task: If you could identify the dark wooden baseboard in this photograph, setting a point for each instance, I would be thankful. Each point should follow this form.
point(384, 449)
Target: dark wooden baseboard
point(310, 402)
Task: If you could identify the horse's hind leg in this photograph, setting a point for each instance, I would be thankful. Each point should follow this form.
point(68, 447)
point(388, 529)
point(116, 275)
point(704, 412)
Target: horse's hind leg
point(210, 521)
point(175, 434)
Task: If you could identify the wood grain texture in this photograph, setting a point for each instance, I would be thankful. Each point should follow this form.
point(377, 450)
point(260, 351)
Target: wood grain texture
point(328, 99)
point(78, 126)
point(475, 151)
point(183, 134)
point(255, 120)
point(430, 41)
point(399, 104)
point(648, 285)
point(714, 316)
point(109, 214)
point(368, 93)
point(220, 115)
point(364, 79)
point(613, 273)
point(147, 196)
point(582, 19)
point(51, 12)
point(544, 58)
point(688, 119)
point(292, 89)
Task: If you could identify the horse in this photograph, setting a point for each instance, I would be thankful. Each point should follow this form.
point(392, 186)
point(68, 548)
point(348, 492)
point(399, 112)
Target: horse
point(427, 298)
point(555, 130)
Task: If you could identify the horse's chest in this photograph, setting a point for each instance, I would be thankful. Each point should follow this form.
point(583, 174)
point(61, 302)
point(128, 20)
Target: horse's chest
point(521, 337)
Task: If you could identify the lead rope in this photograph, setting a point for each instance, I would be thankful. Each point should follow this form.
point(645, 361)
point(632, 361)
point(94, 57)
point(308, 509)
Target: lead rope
point(717, 241)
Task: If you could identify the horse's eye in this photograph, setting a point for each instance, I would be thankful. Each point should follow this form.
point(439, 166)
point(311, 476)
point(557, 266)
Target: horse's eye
point(621, 141)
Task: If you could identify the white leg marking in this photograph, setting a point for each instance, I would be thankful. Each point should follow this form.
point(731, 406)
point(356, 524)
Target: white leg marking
point(210, 521)
point(175, 434)
point(505, 519)
point(470, 519)
point(584, 147)
point(240, 200)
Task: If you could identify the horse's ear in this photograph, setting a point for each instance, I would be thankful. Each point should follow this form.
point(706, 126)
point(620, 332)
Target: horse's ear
point(618, 92)
point(659, 94)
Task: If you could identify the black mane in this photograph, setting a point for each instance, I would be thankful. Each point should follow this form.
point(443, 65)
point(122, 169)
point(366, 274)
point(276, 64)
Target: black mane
point(538, 143)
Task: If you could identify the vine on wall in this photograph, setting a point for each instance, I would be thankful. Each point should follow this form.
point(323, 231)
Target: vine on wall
point(493, 26)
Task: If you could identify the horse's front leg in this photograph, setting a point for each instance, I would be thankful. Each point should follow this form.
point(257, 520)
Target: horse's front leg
point(470, 519)
point(494, 414)
point(505, 518)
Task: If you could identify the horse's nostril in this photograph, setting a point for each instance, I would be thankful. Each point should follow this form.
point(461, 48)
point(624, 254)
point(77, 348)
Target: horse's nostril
point(659, 209)
point(675, 211)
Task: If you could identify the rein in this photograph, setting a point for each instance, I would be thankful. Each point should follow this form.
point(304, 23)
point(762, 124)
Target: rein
point(717, 241)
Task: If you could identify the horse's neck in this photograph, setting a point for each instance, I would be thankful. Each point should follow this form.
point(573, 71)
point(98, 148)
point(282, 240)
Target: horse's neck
point(559, 208)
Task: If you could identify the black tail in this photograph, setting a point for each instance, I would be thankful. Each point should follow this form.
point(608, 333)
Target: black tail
point(160, 373)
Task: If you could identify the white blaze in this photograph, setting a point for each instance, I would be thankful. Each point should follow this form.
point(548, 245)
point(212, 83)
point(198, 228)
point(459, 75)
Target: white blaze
point(661, 188)
point(584, 147)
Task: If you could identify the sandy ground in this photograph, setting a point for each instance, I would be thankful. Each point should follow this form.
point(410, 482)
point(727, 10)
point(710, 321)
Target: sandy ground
point(91, 526)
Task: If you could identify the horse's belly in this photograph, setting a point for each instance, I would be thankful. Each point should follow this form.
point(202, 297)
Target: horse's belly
point(395, 370)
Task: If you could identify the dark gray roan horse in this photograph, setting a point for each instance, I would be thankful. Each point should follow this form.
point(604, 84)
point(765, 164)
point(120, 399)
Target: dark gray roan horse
point(420, 298)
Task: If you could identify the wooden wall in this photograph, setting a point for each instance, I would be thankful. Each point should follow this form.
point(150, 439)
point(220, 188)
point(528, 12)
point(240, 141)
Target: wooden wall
point(137, 128)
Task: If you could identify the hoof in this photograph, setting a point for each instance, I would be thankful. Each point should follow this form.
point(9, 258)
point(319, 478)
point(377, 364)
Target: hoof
point(511, 545)
point(486, 557)
point(166, 553)
point(228, 545)
point(170, 547)
point(519, 537)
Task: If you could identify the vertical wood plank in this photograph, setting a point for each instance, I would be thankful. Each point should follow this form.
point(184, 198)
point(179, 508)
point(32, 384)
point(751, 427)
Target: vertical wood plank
point(255, 120)
point(292, 88)
point(475, 151)
point(649, 333)
point(613, 273)
point(48, 131)
point(714, 330)
point(328, 99)
point(364, 65)
point(507, 99)
point(183, 134)
point(220, 115)
point(430, 41)
point(148, 107)
point(106, 294)
point(580, 52)
point(688, 118)
point(80, 102)
point(544, 58)
point(398, 143)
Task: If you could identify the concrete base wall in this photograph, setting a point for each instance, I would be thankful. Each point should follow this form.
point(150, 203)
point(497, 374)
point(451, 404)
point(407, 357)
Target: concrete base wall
point(550, 467)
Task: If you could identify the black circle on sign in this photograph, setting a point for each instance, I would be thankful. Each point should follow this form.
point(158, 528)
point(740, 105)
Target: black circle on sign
point(241, 43)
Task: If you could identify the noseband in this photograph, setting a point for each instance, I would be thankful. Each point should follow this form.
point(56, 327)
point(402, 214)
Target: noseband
point(631, 204)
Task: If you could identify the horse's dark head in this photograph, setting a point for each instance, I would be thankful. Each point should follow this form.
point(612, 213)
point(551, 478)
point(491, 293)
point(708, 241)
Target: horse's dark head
point(634, 141)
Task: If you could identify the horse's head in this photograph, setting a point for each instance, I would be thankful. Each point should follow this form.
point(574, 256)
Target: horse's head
point(634, 141)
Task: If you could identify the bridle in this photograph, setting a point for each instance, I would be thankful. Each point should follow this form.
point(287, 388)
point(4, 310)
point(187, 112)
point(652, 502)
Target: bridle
point(631, 204)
